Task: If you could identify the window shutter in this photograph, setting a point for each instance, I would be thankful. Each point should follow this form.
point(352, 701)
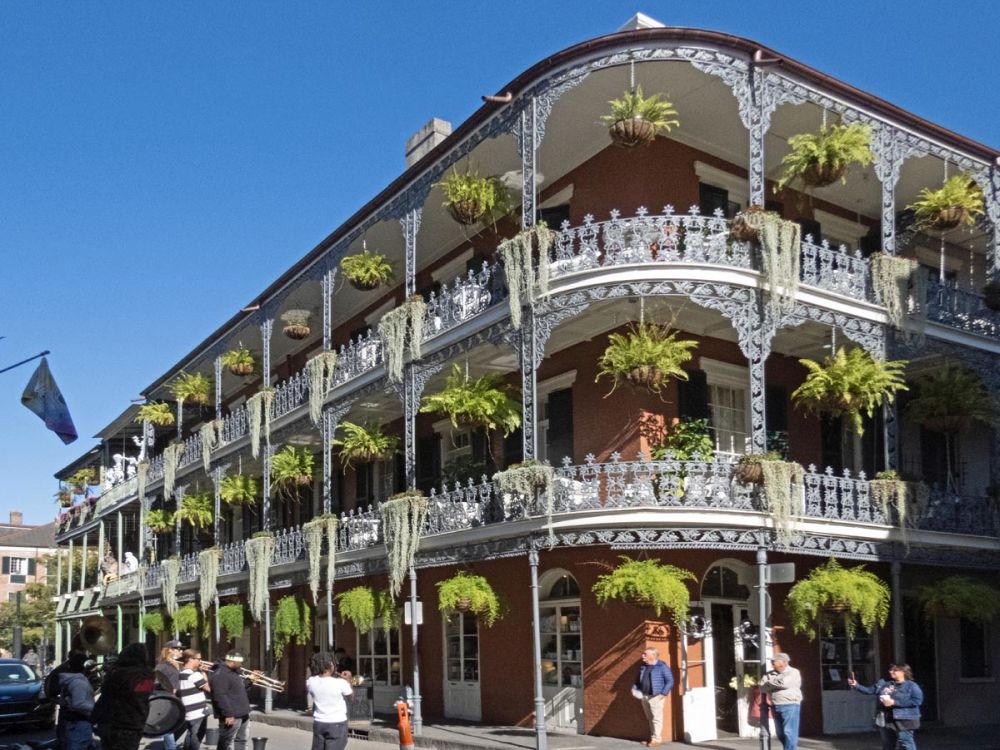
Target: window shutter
point(830, 443)
point(32, 566)
point(428, 461)
point(513, 448)
point(710, 198)
point(560, 433)
point(692, 396)
point(6, 566)
point(776, 417)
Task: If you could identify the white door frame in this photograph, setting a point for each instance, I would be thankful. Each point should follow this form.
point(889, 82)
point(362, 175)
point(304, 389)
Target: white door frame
point(699, 703)
point(469, 707)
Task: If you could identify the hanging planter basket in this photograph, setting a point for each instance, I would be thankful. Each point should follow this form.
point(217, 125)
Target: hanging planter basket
point(749, 472)
point(632, 132)
point(463, 605)
point(467, 211)
point(241, 370)
point(303, 480)
point(297, 331)
point(743, 230)
point(821, 175)
point(949, 218)
point(65, 499)
point(647, 376)
point(363, 287)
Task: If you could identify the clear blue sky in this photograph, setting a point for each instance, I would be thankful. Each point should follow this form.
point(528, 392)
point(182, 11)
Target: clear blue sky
point(161, 163)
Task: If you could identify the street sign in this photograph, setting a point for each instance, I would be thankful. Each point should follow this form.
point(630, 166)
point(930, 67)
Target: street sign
point(781, 573)
point(408, 619)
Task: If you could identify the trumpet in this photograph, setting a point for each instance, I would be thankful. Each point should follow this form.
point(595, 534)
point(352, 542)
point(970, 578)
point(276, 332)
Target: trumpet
point(257, 678)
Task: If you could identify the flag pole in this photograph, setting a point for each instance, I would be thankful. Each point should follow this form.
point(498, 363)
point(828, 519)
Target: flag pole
point(25, 361)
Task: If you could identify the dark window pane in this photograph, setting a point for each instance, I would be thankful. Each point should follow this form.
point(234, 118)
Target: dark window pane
point(710, 198)
point(974, 647)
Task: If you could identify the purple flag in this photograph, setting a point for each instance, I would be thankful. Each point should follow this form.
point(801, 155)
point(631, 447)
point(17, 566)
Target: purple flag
point(42, 396)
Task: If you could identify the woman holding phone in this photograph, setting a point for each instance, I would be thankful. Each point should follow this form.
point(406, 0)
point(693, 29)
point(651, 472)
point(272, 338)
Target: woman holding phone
point(897, 707)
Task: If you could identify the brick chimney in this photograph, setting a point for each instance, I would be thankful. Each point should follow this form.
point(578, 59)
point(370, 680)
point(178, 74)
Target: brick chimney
point(16, 518)
point(421, 142)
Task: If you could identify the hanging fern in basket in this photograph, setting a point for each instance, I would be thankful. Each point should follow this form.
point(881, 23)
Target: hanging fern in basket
point(830, 591)
point(357, 606)
point(259, 415)
point(291, 469)
point(240, 489)
point(186, 618)
point(481, 402)
point(403, 518)
point(231, 620)
point(365, 443)
point(386, 610)
point(197, 511)
point(822, 158)
point(292, 624)
point(208, 576)
point(313, 533)
point(469, 593)
point(525, 259)
point(211, 438)
point(159, 520)
point(962, 597)
point(192, 389)
point(647, 583)
point(171, 457)
point(171, 570)
point(402, 325)
point(153, 622)
point(319, 372)
point(156, 413)
point(259, 550)
point(647, 356)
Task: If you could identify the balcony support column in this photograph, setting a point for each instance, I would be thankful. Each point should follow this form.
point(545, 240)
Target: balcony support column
point(411, 390)
point(101, 546)
point(541, 738)
point(898, 639)
point(69, 569)
point(328, 428)
point(326, 284)
point(529, 343)
point(120, 539)
point(59, 571)
point(83, 564)
point(217, 364)
point(265, 493)
point(989, 180)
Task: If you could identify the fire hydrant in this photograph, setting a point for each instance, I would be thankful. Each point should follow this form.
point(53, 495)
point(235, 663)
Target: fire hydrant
point(405, 735)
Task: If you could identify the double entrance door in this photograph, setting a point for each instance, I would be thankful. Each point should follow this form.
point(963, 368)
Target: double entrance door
point(461, 667)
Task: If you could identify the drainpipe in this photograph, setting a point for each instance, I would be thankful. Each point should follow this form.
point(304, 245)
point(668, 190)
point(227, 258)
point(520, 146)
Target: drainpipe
point(898, 648)
point(541, 739)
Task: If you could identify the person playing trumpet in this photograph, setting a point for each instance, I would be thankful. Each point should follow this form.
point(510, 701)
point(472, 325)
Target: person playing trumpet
point(230, 701)
point(194, 695)
point(168, 678)
point(328, 690)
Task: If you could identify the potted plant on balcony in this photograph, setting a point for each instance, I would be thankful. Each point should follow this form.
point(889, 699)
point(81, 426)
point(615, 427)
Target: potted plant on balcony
point(682, 441)
point(646, 357)
point(958, 201)
point(259, 550)
point(469, 593)
point(636, 120)
point(525, 260)
point(291, 469)
point(962, 597)
point(232, 620)
point(403, 517)
point(849, 384)
point(475, 402)
point(399, 326)
point(831, 591)
point(296, 324)
point(783, 489)
point(208, 576)
point(950, 400)
point(909, 499)
point(747, 223)
point(365, 443)
point(314, 532)
point(366, 271)
point(647, 583)
point(357, 606)
point(80, 480)
point(192, 388)
point(820, 159)
point(526, 481)
point(156, 413)
point(64, 497)
point(159, 521)
point(240, 361)
point(197, 510)
point(292, 624)
point(239, 489)
point(470, 197)
point(893, 278)
point(153, 622)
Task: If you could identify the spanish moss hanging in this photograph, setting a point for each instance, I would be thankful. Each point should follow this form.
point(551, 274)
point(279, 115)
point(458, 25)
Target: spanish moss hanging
point(399, 326)
point(526, 481)
point(403, 518)
point(891, 276)
point(319, 371)
point(525, 259)
point(171, 457)
point(258, 413)
point(211, 436)
point(170, 570)
point(313, 533)
point(785, 493)
point(258, 550)
point(208, 577)
point(780, 242)
point(908, 498)
point(142, 474)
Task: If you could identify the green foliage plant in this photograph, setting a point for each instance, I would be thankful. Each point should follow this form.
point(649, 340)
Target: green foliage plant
point(636, 119)
point(386, 610)
point(364, 443)
point(822, 158)
point(961, 596)
point(35, 614)
point(231, 620)
point(154, 622)
point(160, 520)
point(240, 361)
point(831, 591)
point(685, 440)
point(78, 481)
point(647, 356)
point(197, 510)
point(469, 593)
point(357, 606)
point(849, 384)
point(239, 489)
point(365, 270)
point(291, 469)
point(402, 517)
point(292, 624)
point(156, 413)
point(647, 583)
point(185, 619)
point(958, 201)
point(471, 198)
point(476, 402)
point(192, 389)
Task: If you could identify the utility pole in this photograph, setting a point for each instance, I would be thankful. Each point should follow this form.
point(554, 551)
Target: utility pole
point(16, 646)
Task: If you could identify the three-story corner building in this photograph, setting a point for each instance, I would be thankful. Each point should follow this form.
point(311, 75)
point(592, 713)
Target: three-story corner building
point(639, 234)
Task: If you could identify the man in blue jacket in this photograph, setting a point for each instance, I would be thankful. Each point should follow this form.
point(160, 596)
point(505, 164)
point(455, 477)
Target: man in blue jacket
point(653, 686)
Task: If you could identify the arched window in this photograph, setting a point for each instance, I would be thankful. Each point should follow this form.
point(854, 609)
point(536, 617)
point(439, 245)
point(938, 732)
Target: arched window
point(564, 587)
point(722, 582)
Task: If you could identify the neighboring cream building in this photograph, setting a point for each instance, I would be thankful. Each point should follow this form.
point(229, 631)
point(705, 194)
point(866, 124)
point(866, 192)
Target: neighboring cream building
point(23, 550)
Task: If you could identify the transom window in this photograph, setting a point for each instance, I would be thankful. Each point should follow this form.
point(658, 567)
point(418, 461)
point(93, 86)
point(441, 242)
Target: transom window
point(723, 583)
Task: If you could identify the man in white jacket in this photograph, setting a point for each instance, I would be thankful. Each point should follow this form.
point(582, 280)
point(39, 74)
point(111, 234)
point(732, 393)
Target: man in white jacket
point(783, 685)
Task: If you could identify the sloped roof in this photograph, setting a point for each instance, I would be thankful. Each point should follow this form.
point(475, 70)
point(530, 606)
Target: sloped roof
point(29, 536)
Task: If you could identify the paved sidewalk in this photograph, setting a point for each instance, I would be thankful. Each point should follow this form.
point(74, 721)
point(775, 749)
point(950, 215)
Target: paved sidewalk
point(464, 736)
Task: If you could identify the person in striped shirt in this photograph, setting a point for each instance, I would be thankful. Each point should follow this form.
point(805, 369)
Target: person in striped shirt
point(193, 693)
